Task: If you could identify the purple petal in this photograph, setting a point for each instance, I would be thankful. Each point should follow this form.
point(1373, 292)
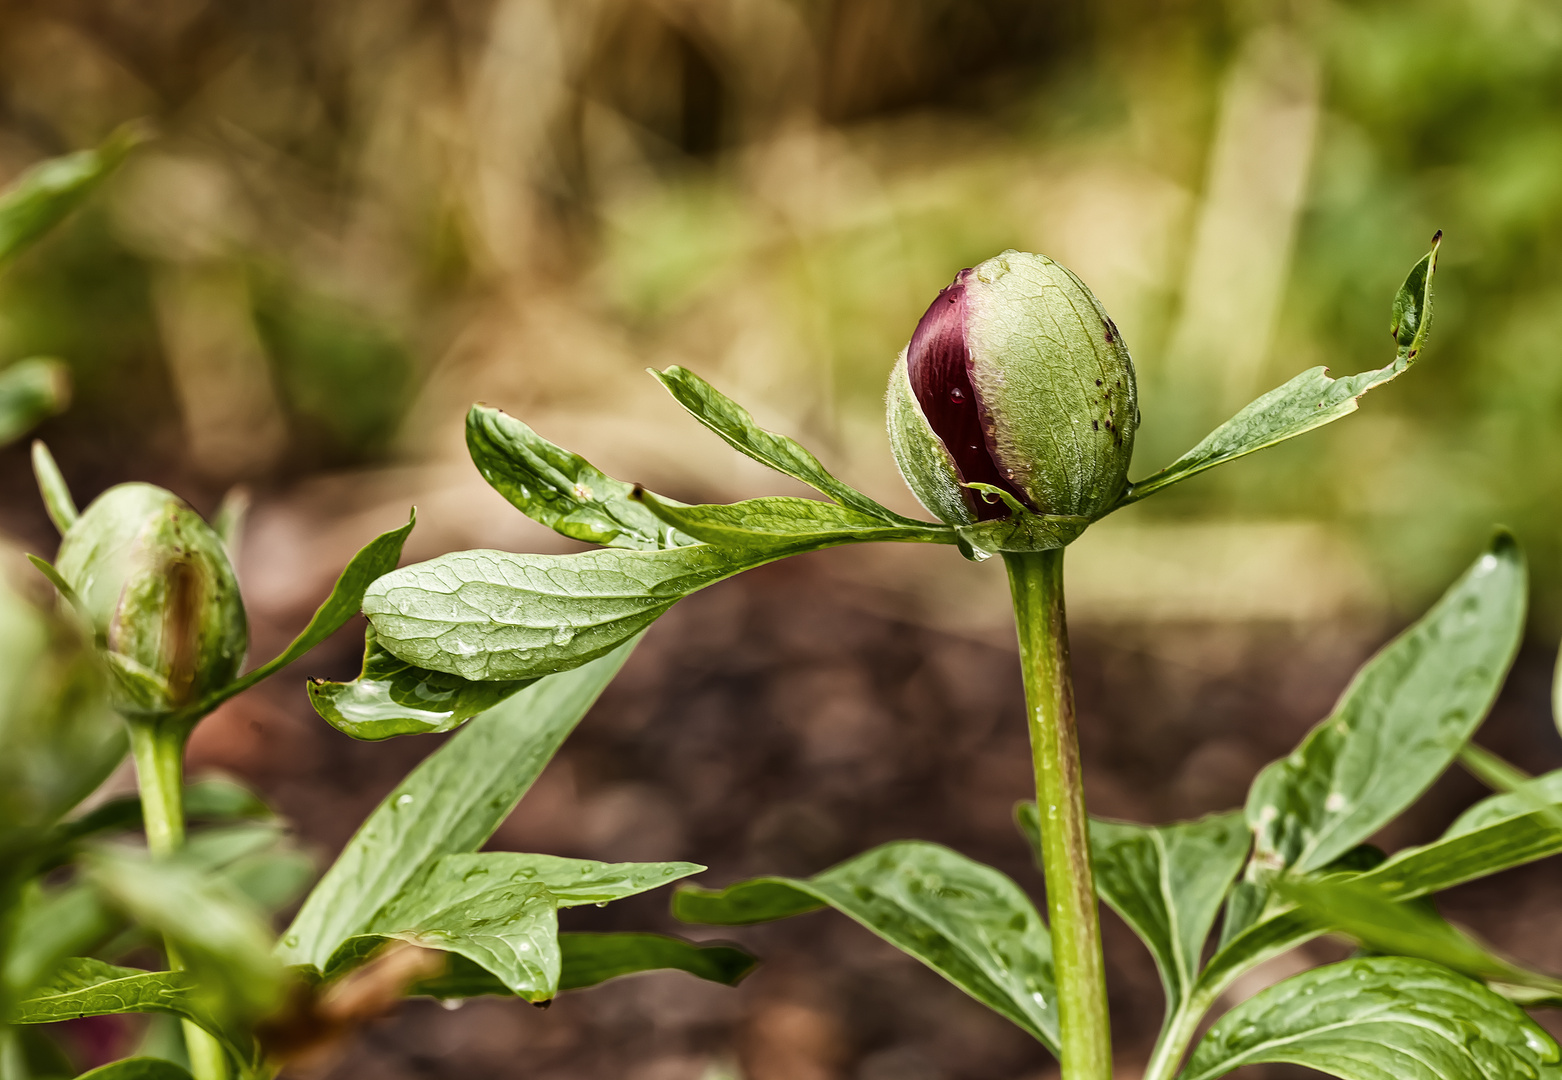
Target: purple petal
point(938, 364)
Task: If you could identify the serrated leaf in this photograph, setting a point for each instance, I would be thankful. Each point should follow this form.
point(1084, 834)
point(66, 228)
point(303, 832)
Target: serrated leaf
point(31, 391)
point(392, 697)
point(760, 523)
point(733, 423)
point(45, 194)
point(1399, 724)
point(1378, 1018)
point(449, 804)
point(560, 489)
point(966, 921)
point(377, 558)
point(1167, 882)
point(1310, 400)
point(138, 1068)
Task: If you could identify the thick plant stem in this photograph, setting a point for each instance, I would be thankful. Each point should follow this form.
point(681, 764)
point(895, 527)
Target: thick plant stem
point(158, 747)
point(1036, 581)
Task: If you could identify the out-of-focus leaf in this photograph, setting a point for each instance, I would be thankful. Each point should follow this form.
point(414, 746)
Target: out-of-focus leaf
point(1490, 769)
point(1310, 400)
point(56, 493)
point(734, 424)
point(1374, 1018)
point(46, 193)
point(140, 1068)
point(560, 489)
point(759, 523)
point(31, 391)
point(392, 697)
point(1398, 725)
point(211, 799)
point(590, 959)
point(1364, 913)
point(1538, 793)
point(223, 941)
point(1167, 882)
point(228, 522)
point(449, 804)
point(378, 557)
point(51, 925)
point(966, 921)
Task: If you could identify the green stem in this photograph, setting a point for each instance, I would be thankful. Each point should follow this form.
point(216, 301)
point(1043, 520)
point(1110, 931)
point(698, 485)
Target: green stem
point(1174, 1040)
point(1490, 769)
point(1036, 582)
point(158, 747)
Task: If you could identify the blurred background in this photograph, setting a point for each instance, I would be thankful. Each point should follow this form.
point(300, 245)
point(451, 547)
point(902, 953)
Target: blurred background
point(360, 217)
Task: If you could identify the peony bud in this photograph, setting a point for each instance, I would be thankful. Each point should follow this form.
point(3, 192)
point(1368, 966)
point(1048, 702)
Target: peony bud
point(1016, 378)
point(157, 586)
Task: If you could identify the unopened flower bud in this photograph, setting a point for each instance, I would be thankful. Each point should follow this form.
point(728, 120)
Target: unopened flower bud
point(1015, 378)
point(157, 586)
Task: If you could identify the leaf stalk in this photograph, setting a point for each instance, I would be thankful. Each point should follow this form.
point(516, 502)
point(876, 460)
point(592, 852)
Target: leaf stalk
point(1036, 583)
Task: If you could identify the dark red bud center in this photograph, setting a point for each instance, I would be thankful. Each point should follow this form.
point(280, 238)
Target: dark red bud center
point(939, 365)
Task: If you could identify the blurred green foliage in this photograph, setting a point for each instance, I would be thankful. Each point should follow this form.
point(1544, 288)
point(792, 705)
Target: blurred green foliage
point(373, 212)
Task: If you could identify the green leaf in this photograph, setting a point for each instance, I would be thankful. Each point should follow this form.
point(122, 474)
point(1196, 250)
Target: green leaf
point(31, 391)
point(378, 557)
point(87, 987)
point(211, 799)
point(1366, 914)
point(51, 925)
point(1167, 882)
point(57, 501)
point(497, 908)
point(560, 489)
point(138, 1068)
point(228, 522)
point(1020, 531)
point(1539, 793)
point(760, 523)
point(966, 921)
point(1378, 1018)
point(495, 615)
point(46, 193)
point(590, 959)
point(1399, 723)
point(392, 697)
point(1310, 400)
point(224, 942)
point(734, 424)
point(511, 931)
point(449, 804)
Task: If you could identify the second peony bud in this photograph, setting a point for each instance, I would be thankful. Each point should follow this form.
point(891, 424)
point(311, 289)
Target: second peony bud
point(1016, 378)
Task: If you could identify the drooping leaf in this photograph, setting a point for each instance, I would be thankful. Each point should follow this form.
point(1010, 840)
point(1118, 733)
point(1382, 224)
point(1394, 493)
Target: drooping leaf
point(56, 493)
point(1399, 724)
point(590, 959)
point(966, 921)
point(734, 424)
point(760, 523)
point(138, 1068)
point(449, 804)
point(1378, 1018)
point(560, 489)
point(1403, 928)
point(45, 194)
point(1167, 882)
point(511, 931)
point(496, 908)
point(392, 697)
point(1310, 400)
point(31, 391)
point(377, 558)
